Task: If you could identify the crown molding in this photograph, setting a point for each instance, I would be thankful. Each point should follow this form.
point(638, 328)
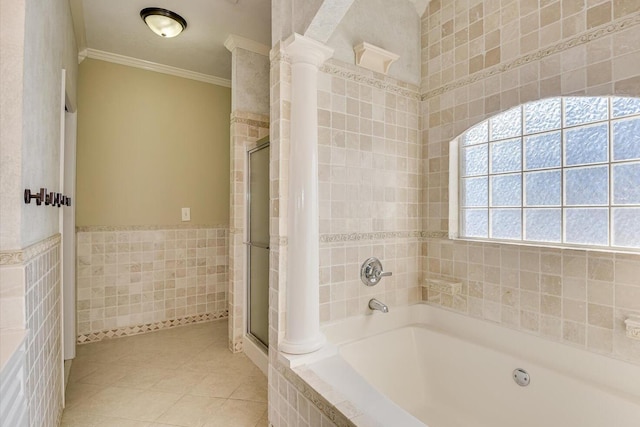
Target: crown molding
point(153, 66)
point(234, 41)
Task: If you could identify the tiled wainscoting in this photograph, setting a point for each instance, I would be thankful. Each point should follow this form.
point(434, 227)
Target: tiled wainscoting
point(33, 279)
point(137, 279)
point(44, 346)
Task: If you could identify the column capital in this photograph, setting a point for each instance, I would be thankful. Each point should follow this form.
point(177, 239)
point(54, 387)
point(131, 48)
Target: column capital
point(306, 50)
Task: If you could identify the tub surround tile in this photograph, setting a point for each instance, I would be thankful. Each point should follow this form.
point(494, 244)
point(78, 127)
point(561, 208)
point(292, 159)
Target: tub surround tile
point(442, 286)
point(575, 296)
point(305, 384)
point(476, 61)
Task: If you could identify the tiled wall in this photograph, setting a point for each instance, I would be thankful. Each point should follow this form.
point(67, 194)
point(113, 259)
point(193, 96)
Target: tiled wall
point(44, 347)
point(368, 188)
point(33, 279)
point(130, 276)
point(246, 129)
point(481, 58)
point(291, 406)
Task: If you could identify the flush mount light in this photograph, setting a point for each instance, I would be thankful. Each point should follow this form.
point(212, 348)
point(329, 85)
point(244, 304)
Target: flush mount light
point(163, 22)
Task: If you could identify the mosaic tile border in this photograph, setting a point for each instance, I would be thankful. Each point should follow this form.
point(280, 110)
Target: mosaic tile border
point(343, 70)
point(25, 255)
point(150, 327)
point(249, 122)
point(396, 86)
point(94, 228)
point(586, 37)
point(319, 401)
point(380, 235)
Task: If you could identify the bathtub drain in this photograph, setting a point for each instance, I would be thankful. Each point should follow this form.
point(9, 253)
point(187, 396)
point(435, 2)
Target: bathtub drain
point(521, 377)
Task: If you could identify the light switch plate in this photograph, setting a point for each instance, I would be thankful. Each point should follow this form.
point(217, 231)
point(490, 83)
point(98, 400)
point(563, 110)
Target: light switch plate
point(186, 214)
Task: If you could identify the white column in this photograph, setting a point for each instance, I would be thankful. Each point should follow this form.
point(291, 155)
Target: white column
point(302, 326)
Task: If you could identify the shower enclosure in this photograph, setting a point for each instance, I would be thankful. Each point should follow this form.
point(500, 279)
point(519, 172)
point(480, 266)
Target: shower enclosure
point(258, 244)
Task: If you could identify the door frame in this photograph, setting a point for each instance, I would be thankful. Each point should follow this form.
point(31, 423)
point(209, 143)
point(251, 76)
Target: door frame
point(259, 145)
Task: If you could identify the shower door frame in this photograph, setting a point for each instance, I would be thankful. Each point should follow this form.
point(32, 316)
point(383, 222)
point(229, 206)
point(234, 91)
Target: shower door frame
point(260, 145)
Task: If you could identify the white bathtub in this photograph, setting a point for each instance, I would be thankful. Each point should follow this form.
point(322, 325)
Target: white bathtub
point(422, 365)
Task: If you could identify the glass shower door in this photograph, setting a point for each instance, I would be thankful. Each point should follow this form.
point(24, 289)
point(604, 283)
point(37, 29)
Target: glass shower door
point(258, 244)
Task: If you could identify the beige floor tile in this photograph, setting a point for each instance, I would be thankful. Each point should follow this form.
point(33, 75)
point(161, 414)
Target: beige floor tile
point(120, 402)
point(176, 377)
point(264, 421)
point(80, 369)
point(238, 413)
point(121, 422)
point(102, 352)
point(79, 419)
point(254, 389)
point(177, 381)
point(154, 360)
point(192, 411)
point(217, 384)
point(75, 392)
point(106, 374)
point(143, 377)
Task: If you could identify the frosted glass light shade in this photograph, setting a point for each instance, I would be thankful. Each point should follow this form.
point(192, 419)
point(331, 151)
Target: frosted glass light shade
point(163, 22)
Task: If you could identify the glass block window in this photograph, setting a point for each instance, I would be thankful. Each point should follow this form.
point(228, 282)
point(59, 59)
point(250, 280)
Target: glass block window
point(562, 171)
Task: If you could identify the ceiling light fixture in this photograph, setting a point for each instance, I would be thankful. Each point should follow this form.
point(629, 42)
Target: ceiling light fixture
point(163, 22)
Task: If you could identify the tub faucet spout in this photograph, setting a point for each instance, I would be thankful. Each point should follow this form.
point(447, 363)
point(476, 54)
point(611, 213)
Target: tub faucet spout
point(374, 304)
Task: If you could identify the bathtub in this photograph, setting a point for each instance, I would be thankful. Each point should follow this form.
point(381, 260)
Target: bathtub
point(425, 366)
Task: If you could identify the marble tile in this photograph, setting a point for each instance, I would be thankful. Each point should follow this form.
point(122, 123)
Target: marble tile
point(253, 389)
point(179, 377)
point(238, 413)
point(139, 405)
point(192, 411)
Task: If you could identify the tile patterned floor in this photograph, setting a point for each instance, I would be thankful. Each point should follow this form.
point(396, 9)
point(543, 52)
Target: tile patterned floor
point(178, 377)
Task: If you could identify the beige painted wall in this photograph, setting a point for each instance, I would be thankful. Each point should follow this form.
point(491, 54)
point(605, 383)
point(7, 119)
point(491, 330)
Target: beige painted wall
point(148, 145)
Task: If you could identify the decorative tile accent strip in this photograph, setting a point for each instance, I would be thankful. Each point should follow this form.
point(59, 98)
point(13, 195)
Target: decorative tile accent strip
point(633, 327)
point(150, 327)
point(94, 228)
point(386, 83)
point(319, 401)
point(434, 235)
point(237, 345)
point(586, 37)
point(379, 235)
point(340, 69)
point(442, 285)
point(30, 252)
point(245, 121)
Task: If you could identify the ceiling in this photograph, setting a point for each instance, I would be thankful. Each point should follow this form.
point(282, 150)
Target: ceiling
point(115, 27)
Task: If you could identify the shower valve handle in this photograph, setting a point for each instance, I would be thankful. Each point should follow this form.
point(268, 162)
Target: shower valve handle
point(372, 272)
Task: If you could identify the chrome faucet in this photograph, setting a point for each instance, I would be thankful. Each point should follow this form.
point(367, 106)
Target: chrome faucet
point(374, 304)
